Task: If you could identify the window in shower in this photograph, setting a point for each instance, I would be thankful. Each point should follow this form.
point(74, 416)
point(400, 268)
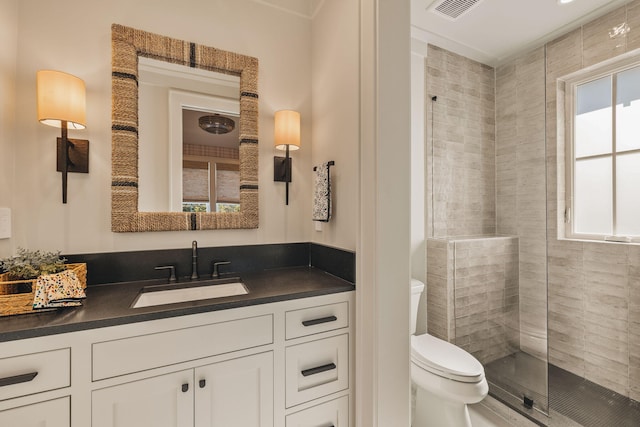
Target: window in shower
point(603, 157)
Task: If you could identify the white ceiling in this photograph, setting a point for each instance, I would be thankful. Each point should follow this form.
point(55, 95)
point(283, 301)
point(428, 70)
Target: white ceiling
point(304, 8)
point(495, 30)
point(192, 134)
point(490, 32)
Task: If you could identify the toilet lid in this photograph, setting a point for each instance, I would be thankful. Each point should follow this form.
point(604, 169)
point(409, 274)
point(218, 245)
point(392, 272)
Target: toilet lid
point(445, 359)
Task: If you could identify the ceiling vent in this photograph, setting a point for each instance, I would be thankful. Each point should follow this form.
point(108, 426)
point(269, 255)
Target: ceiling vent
point(453, 9)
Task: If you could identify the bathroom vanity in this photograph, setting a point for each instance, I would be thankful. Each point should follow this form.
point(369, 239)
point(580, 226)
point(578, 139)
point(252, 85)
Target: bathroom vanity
point(281, 355)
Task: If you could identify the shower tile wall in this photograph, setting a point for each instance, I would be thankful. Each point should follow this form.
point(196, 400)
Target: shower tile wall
point(461, 154)
point(521, 186)
point(481, 276)
point(487, 297)
point(594, 288)
point(512, 156)
point(440, 318)
point(634, 322)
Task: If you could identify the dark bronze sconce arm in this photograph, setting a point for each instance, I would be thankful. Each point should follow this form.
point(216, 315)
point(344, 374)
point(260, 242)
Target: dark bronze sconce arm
point(72, 156)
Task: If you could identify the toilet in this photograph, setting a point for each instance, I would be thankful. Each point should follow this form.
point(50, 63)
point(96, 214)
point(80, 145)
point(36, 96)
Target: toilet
point(446, 377)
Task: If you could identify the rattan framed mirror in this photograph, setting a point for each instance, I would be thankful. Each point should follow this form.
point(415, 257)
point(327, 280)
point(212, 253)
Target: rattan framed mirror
point(128, 44)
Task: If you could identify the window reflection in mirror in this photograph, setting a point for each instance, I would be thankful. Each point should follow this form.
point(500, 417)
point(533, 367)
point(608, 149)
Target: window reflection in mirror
point(181, 166)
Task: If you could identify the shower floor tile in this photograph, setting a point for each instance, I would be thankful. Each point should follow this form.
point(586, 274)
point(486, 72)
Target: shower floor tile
point(589, 404)
point(520, 374)
point(572, 400)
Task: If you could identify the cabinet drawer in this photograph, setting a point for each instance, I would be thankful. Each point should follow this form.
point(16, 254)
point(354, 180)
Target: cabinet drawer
point(128, 355)
point(313, 320)
point(316, 369)
point(34, 373)
point(334, 413)
point(52, 413)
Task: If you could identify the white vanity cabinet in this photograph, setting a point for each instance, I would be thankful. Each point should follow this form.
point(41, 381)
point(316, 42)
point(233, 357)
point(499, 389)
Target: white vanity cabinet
point(281, 364)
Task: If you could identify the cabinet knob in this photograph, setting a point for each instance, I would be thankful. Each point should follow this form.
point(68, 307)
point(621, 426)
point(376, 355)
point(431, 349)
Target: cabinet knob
point(202, 383)
point(185, 387)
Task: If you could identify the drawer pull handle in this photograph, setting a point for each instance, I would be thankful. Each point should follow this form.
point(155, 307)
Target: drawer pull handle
point(202, 383)
point(318, 369)
point(185, 387)
point(319, 321)
point(24, 378)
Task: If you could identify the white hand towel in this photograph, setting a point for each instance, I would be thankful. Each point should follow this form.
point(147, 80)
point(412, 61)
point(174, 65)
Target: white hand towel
point(322, 193)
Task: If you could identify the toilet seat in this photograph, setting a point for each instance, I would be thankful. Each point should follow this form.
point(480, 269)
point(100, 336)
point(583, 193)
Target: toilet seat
point(445, 359)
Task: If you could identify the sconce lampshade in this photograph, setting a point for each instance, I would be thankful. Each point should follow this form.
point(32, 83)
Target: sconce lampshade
point(61, 97)
point(287, 130)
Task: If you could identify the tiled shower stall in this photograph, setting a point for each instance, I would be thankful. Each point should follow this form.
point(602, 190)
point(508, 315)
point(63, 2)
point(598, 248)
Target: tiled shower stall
point(497, 268)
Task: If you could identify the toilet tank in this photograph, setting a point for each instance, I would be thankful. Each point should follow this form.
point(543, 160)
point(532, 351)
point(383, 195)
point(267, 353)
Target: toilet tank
point(416, 292)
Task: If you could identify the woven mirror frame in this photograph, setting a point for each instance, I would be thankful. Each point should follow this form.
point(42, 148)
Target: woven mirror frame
point(127, 45)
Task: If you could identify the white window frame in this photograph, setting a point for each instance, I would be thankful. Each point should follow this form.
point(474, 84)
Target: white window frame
point(566, 100)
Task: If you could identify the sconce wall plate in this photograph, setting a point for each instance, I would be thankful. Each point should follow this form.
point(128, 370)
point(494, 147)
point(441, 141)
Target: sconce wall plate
point(77, 157)
point(282, 169)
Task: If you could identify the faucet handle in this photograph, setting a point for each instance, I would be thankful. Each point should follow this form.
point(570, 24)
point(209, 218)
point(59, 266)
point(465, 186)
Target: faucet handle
point(172, 275)
point(216, 266)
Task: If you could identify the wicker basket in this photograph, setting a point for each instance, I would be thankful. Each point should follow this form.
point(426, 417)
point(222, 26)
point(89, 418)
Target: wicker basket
point(16, 297)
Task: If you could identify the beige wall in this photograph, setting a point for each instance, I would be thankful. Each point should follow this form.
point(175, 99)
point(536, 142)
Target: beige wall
point(594, 288)
point(281, 41)
point(9, 37)
point(335, 115)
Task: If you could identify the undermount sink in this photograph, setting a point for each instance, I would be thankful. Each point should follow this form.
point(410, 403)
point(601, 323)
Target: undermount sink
point(176, 293)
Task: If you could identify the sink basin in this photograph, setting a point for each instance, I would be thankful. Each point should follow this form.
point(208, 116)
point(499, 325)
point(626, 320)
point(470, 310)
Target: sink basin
point(172, 294)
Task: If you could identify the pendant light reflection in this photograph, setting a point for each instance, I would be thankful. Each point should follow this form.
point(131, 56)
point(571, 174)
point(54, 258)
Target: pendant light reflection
point(216, 124)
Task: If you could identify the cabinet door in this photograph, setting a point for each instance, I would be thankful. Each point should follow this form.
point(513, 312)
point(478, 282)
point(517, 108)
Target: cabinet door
point(163, 401)
point(53, 413)
point(237, 392)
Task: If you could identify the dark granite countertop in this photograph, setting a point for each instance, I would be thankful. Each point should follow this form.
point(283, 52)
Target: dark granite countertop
point(110, 304)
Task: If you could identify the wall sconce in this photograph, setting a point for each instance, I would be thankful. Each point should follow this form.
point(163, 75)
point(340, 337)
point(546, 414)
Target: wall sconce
point(287, 137)
point(62, 103)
